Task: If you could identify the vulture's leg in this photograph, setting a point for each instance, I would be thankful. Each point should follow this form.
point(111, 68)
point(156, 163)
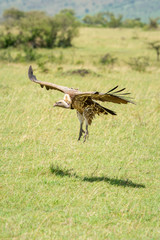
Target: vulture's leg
point(86, 132)
point(81, 131)
point(81, 119)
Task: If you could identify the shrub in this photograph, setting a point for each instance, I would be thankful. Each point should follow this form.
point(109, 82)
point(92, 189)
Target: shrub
point(113, 21)
point(28, 54)
point(7, 40)
point(13, 13)
point(139, 63)
point(42, 65)
point(5, 55)
point(108, 59)
point(67, 26)
point(97, 19)
point(156, 46)
point(153, 23)
point(132, 23)
point(38, 29)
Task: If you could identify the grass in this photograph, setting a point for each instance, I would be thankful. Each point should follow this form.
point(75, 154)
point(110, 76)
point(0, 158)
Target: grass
point(54, 187)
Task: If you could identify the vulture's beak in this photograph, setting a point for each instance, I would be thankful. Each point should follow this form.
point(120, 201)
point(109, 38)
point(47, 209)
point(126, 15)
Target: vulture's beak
point(61, 104)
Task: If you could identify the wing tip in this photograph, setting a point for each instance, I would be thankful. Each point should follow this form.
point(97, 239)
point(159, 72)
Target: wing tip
point(30, 74)
point(111, 90)
point(121, 95)
point(133, 102)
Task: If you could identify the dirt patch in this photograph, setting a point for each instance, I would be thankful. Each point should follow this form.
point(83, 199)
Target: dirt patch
point(82, 72)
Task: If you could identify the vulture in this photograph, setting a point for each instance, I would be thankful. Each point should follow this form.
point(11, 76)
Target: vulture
point(84, 102)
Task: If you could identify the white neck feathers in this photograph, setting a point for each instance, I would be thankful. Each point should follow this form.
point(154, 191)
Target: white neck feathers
point(67, 99)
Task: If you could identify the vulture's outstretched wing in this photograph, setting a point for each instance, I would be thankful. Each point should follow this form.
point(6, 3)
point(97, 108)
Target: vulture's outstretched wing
point(110, 96)
point(47, 84)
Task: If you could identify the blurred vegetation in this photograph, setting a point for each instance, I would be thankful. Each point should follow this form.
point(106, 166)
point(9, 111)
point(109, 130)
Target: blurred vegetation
point(156, 46)
point(134, 8)
point(38, 30)
point(153, 23)
point(133, 23)
point(108, 19)
point(22, 34)
point(139, 63)
point(108, 59)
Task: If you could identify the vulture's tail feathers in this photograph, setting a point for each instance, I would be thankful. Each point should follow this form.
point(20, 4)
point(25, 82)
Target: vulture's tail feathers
point(108, 111)
point(105, 110)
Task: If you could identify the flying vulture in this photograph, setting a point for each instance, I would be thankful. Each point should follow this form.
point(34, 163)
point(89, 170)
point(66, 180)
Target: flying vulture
point(84, 102)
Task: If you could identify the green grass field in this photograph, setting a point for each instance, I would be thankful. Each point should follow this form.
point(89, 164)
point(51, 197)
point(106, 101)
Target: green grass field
point(54, 187)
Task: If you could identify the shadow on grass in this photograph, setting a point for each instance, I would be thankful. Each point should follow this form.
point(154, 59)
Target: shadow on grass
point(56, 170)
point(114, 181)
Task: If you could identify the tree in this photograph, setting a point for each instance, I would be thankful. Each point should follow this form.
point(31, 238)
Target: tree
point(114, 22)
point(153, 22)
point(156, 46)
point(13, 13)
point(89, 20)
point(131, 23)
point(101, 19)
point(67, 26)
point(37, 29)
point(106, 19)
point(11, 17)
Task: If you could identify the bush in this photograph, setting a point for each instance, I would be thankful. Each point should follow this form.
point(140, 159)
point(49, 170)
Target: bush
point(108, 59)
point(106, 19)
point(13, 13)
point(8, 40)
point(67, 27)
point(132, 23)
point(5, 55)
point(42, 65)
point(97, 19)
point(153, 23)
point(139, 63)
point(38, 30)
point(156, 46)
point(114, 22)
point(27, 54)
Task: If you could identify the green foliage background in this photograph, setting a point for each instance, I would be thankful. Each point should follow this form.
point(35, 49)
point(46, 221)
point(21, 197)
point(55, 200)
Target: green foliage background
point(36, 29)
point(129, 9)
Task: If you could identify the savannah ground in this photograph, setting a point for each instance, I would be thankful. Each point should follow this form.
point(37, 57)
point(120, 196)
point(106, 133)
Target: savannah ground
point(54, 187)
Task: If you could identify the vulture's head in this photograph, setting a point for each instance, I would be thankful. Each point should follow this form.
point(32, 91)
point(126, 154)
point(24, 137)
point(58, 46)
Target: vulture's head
point(61, 103)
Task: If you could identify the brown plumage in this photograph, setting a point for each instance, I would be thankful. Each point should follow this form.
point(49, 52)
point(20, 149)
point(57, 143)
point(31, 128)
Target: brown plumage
point(84, 102)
